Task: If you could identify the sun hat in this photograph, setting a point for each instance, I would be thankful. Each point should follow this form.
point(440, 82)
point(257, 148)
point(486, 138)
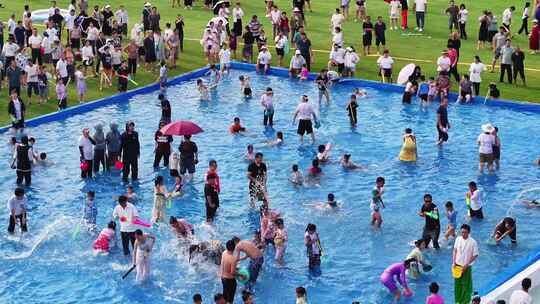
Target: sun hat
point(297, 52)
point(487, 128)
point(296, 10)
point(147, 4)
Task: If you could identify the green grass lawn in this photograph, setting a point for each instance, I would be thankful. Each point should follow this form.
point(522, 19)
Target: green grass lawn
point(422, 48)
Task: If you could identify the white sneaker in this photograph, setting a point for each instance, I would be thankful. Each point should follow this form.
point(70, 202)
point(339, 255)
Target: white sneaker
point(420, 30)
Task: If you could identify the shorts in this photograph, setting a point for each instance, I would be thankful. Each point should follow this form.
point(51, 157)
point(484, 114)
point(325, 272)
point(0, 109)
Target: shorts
point(47, 58)
point(280, 52)
point(341, 67)
point(247, 51)
point(423, 97)
point(464, 94)
point(262, 66)
point(476, 213)
point(394, 15)
point(229, 289)
point(210, 212)
point(256, 192)
point(387, 72)
point(314, 260)
point(44, 91)
point(305, 126)
point(497, 54)
point(486, 158)
point(380, 40)
point(32, 86)
point(187, 165)
point(174, 173)
point(388, 281)
point(247, 92)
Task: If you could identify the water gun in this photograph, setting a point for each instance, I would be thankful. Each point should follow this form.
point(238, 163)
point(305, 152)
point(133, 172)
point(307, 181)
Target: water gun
point(468, 203)
point(169, 203)
point(433, 215)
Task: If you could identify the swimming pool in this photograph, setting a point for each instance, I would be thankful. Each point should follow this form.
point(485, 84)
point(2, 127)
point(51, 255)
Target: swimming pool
point(62, 270)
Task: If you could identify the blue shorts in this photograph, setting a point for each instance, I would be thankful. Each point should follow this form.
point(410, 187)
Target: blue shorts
point(187, 166)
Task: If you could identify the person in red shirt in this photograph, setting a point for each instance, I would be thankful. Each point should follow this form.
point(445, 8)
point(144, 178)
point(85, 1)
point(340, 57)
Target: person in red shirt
point(236, 127)
point(453, 55)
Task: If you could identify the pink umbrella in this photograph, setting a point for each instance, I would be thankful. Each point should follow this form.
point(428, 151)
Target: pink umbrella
point(181, 128)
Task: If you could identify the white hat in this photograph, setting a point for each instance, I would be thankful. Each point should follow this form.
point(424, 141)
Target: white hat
point(296, 9)
point(107, 6)
point(535, 21)
point(297, 52)
point(264, 47)
point(348, 49)
point(147, 4)
point(487, 128)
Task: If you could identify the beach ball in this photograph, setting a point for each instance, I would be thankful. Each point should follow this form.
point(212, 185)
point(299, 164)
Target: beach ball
point(118, 165)
point(84, 166)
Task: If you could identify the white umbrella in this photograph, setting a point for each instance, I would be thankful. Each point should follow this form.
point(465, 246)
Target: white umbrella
point(404, 74)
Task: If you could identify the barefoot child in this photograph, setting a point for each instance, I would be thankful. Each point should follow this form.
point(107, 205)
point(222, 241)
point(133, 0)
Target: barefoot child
point(331, 200)
point(280, 240)
point(304, 73)
point(245, 87)
point(203, 90)
point(377, 202)
point(177, 190)
point(61, 94)
point(160, 198)
point(105, 240)
point(351, 109)
point(323, 154)
point(296, 176)
point(451, 215)
point(90, 209)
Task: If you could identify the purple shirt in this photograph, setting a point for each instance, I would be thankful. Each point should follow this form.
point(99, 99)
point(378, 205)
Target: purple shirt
point(398, 270)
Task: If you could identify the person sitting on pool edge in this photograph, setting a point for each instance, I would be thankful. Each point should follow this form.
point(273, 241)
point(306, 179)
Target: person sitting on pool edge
point(236, 127)
point(506, 227)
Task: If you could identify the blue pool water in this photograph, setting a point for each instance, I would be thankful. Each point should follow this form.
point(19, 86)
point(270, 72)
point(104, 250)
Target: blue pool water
point(62, 270)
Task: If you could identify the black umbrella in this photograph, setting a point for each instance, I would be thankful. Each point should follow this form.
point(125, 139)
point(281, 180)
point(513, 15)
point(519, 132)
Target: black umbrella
point(87, 20)
point(217, 5)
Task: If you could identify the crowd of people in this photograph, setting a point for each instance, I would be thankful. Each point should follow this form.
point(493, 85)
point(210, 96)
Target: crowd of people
point(98, 44)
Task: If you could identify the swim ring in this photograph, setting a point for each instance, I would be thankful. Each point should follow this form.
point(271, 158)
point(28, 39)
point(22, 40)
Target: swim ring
point(242, 275)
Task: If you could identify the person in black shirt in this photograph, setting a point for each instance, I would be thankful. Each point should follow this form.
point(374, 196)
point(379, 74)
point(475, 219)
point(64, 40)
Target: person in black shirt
point(367, 37)
point(442, 121)
point(145, 17)
point(257, 179)
point(165, 109)
point(518, 66)
point(179, 26)
point(20, 35)
point(57, 19)
point(163, 147)
point(351, 109)
point(380, 38)
point(131, 150)
point(23, 162)
point(123, 76)
point(322, 83)
point(107, 21)
point(149, 51)
point(211, 197)
point(432, 228)
point(106, 62)
point(189, 156)
point(100, 42)
point(247, 52)
point(304, 46)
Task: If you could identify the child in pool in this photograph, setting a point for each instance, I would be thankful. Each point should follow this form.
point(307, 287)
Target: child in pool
point(351, 110)
point(203, 90)
point(359, 93)
point(432, 92)
point(215, 76)
point(296, 176)
point(268, 229)
point(451, 215)
point(177, 190)
point(377, 202)
point(90, 209)
point(250, 154)
point(42, 160)
point(131, 195)
point(398, 271)
point(245, 86)
point(304, 73)
point(181, 227)
point(236, 126)
point(212, 170)
point(435, 298)
point(105, 240)
point(174, 162)
point(276, 142)
point(315, 170)
point(323, 154)
point(280, 240)
point(160, 197)
point(301, 295)
point(410, 89)
point(331, 200)
point(418, 257)
point(423, 89)
point(258, 241)
point(348, 164)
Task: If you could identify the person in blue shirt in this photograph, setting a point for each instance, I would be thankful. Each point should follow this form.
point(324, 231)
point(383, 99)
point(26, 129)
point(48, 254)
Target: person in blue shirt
point(423, 89)
point(90, 209)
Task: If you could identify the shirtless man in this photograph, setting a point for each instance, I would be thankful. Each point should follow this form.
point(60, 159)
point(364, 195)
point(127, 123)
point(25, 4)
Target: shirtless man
point(252, 252)
point(228, 272)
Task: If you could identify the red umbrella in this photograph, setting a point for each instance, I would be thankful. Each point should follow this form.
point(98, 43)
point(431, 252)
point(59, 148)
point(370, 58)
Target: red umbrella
point(181, 128)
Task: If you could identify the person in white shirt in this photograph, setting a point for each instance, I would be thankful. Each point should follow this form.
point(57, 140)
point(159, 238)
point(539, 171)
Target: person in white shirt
point(61, 69)
point(86, 149)
point(337, 59)
point(507, 17)
point(522, 296)
point(87, 55)
point(394, 14)
point(464, 255)
point(122, 18)
point(34, 42)
point(9, 50)
point(263, 60)
point(336, 20)
point(304, 112)
point(70, 22)
point(281, 43)
point(385, 63)
point(525, 20)
point(11, 25)
point(47, 45)
point(473, 198)
point(337, 37)
point(351, 60)
point(275, 18)
point(475, 71)
point(486, 141)
point(463, 16)
point(53, 8)
point(237, 14)
point(225, 59)
point(53, 32)
point(31, 75)
point(444, 63)
point(297, 62)
point(127, 213)
point(420, 8)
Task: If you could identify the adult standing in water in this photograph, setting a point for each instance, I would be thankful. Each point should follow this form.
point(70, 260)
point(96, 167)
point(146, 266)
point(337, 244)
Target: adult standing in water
point(463, 257)
point(86, 148)
point(16, 111)
point(113, 139)
point(189, 156)
point(17, 210)
point(432, 228)
point(131, 150)
point(228, 271)
point(257, 179)
point(254, 254)
point(141, 259)
point(127, 213)
point(163, 147)
point(442, 121)
point(305, 112)
point(22, 161)
point(99, 148)
point(165, 109)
